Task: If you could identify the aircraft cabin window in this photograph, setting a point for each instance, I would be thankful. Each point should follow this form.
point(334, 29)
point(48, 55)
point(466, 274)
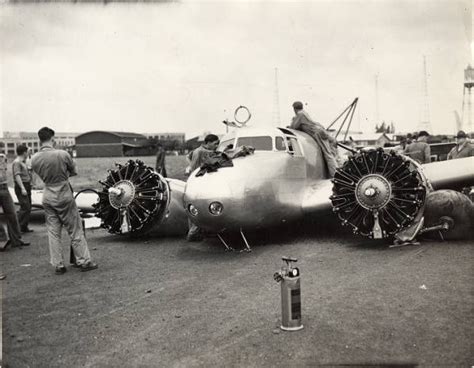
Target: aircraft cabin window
point(293, 146)
point(280, 144)
point(259, 143)
point(225, 144)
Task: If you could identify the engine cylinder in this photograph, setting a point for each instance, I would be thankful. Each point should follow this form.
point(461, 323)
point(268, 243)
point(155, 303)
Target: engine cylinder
point(378, 193)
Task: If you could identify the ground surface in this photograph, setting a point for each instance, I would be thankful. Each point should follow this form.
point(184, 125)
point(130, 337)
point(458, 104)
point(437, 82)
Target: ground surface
point(168, 303)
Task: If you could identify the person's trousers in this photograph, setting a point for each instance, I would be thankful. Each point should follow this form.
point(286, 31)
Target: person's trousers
point(3, 234)
point(9, 213)
point(25, 205)
point(62, 212)
point(328, 154)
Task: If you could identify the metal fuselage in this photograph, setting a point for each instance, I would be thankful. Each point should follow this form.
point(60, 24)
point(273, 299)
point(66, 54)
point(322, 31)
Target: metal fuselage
point(262, 189)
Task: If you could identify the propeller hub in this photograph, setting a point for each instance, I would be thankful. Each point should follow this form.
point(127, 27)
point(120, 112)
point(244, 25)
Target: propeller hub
point(373, 191)
point(121, 194)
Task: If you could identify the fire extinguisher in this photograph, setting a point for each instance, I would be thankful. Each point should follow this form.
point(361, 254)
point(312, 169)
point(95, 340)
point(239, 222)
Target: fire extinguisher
point(289, 277)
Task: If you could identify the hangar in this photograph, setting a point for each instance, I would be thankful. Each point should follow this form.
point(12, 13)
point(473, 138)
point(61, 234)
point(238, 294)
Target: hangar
point(100, 143)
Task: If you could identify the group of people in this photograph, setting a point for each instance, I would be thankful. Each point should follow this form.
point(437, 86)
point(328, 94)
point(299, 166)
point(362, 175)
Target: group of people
point(54, 167)
point(416, 147)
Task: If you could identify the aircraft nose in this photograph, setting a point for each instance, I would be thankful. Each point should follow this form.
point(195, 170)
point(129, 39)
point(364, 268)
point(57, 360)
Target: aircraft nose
point(208, 201)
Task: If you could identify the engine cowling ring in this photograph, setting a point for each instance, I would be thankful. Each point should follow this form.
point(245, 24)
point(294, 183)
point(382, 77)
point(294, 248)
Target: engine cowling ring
point(378, 194)
point(133, 199)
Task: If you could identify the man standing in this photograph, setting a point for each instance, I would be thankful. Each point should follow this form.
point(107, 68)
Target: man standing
point(54, 167)
point(8, 207)
point(419, 149)
point(463, 147)
point(303, 122)
point(198, 157)
point(22, 183)
point(160, 160)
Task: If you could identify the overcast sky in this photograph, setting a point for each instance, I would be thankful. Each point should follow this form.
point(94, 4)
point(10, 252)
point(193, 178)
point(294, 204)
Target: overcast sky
point(185, 66)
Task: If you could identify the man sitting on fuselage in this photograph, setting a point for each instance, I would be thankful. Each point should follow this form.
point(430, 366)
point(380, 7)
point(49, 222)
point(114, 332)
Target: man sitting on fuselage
point(303, 122)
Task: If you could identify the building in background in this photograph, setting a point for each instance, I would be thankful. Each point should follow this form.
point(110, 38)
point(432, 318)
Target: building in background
point(11, 140)
point(112, 144)
point(369, 139)
point(179, 137)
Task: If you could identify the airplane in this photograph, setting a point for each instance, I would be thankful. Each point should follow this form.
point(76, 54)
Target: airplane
point(379, 194)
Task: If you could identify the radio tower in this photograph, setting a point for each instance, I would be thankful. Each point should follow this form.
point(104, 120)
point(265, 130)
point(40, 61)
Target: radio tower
point(276, 101)
point(466, 98)
point(425, 123)
point(377, 112)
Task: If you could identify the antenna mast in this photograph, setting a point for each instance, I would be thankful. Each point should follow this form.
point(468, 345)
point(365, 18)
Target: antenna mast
point(377, 116)
point(425, 123)
point(467, 99)
point(276, 101)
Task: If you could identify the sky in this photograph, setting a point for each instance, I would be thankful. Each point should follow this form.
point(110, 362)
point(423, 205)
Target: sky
point(186, 66)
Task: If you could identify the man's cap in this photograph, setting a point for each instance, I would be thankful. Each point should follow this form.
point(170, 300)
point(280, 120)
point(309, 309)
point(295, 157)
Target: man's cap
point(461, 134)
point(423, 133)
point(298, 105)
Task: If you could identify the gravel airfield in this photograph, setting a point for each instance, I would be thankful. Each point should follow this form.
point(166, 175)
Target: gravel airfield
point(164, 302)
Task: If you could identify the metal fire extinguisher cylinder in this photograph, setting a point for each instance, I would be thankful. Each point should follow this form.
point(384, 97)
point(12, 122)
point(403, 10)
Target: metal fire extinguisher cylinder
point(289, 277)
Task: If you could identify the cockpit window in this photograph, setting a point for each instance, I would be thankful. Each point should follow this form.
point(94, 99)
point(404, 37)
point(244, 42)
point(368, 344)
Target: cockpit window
point(280, 144)
point(293, 146)
point(226, 145)
point(259, 143)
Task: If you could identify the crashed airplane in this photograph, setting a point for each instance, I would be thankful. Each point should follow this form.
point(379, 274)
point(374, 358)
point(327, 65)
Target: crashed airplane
point(378, 194)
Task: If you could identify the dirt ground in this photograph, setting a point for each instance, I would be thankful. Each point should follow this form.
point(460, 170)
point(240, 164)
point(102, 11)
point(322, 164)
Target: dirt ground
point(168, 303)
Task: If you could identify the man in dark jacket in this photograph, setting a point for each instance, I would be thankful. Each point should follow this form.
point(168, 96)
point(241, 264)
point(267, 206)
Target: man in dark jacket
point(463, 147)
point(160, 160)
point(419, 149)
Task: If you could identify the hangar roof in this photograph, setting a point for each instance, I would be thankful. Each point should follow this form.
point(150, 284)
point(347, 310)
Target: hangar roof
point(119, 134)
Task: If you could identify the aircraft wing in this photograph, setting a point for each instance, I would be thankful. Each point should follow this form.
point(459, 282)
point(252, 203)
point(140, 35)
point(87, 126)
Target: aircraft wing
point(84, 200)
point(452, 174)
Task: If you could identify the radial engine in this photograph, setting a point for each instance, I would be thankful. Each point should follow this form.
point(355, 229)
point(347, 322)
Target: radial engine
point(385, 194)
point(136, 200)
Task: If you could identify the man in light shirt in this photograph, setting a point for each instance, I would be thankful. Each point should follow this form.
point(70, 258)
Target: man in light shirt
point(22, 184)
point(9, 213)
point(55, 167)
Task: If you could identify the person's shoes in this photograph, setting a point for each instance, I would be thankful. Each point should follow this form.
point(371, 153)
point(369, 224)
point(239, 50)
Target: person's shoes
point(4, 247)
point(75, 265)
point(88, 266)
point(27, 230)
point(20, 244)
point(60, 270)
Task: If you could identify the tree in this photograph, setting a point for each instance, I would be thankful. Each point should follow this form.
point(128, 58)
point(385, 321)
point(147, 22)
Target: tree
point(381, 129)
point(385, 128)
